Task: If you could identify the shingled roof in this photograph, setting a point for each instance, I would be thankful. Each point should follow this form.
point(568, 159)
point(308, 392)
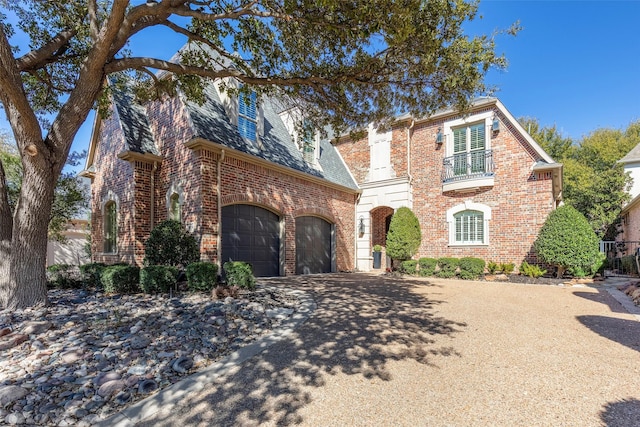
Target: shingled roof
point(210, 122)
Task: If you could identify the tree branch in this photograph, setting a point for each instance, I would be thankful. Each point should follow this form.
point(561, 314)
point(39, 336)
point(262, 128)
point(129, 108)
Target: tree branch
point(40, 57)
point(92, 7)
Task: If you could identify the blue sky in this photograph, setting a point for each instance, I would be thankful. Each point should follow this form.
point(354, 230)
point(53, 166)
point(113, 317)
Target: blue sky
point(575, 64)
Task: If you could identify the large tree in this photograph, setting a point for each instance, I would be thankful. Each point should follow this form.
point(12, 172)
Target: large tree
point(349, 62)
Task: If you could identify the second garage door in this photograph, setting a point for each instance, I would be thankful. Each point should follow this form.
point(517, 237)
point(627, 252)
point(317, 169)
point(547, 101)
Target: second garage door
point(313, 245)
point(251, 234)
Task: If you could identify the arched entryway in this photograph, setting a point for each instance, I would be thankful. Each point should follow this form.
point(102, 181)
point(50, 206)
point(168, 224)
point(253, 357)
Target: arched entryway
point(380, 221)
point(314, 248)
point(251, 234)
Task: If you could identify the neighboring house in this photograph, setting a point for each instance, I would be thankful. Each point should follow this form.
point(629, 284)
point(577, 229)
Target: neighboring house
point(630, 214)
point(73, 250)
point(478, 183)
point(231, 172)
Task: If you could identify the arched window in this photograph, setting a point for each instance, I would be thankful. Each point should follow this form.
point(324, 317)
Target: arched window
point(110, 228)
point(175, 210)
point(469, 224)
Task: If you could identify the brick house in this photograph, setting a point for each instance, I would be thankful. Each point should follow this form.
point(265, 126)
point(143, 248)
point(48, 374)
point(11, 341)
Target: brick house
point(250, 187)
point(235, 173)
point(630, 213)
point(478, 183)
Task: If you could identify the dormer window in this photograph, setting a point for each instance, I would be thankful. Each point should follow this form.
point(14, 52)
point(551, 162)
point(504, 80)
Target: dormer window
point(308, 142)
point(247, 115)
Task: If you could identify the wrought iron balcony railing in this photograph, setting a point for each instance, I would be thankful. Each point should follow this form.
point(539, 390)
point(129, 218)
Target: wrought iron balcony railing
point(464, 166)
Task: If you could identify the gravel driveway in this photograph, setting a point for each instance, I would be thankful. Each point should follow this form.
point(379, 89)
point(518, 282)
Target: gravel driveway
point(413, 352)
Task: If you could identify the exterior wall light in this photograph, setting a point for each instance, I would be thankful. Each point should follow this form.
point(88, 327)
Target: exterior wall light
point(439, 137)
point(495, 125)
point(361, 226)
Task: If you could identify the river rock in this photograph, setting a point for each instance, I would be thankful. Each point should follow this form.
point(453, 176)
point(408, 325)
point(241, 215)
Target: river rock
point(110, 387)
point(11, 393)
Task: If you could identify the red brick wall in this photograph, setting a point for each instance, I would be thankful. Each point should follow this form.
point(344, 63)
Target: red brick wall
point(519, 203)
point(356, 155)
point(115, 175)
point(195, 173)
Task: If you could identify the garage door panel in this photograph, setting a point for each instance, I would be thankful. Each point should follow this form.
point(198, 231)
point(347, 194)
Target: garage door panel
point(313, 245)
point(251, 234)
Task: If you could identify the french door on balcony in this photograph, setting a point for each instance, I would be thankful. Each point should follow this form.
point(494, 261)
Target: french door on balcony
point(469, 144)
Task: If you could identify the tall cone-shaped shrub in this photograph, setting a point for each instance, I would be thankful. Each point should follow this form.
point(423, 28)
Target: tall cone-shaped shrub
point(404, 236)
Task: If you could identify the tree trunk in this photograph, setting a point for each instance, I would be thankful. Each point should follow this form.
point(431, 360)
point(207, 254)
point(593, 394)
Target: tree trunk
point(26, 284)
point(6, 224)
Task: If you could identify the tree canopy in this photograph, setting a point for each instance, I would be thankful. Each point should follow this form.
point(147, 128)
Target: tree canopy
point(346, 62)
point(594, 183)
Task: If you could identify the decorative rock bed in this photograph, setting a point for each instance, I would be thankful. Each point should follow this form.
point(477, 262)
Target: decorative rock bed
point(633, 291)
point(89, 354)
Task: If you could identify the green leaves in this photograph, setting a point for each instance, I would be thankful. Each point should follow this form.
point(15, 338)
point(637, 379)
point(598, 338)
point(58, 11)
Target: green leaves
point(404, 236)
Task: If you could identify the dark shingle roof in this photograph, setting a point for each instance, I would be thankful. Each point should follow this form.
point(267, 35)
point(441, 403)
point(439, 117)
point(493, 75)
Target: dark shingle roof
point(211, 122)
point(133, 119)
point(632, 156)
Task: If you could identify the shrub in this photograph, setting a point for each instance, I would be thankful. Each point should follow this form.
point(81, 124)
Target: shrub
point(628, 264)
point(222, 291)
point(123, 279)
point(567, 241)
point(64, 276)
point(377, 248)
point(157, 278)
point(531, 270)
point(409, 267)
point(239, 274)
point(447, 267)
point(471, 268)
point(202, 276)
point(91, 274)
point(507, 268)
point(404, 236)
point(170, 244)
point(427, 266)
point(493, 267)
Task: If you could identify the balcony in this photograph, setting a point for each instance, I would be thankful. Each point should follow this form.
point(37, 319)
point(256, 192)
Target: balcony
point(467, 171)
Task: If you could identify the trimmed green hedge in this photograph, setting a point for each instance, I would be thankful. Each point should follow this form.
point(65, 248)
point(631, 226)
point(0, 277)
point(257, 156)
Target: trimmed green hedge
point(471, 268)
point(239, 274)
point(201, 276)
point(157, 278)
point(448, 267)
point(123, 279)
point(91, 274)
point(63, 276)
point(409, 267)
point(427, 266)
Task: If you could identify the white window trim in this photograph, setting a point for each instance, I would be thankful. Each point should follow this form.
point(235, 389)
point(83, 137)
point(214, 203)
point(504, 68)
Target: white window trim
point(467, 121)
point(468, 206)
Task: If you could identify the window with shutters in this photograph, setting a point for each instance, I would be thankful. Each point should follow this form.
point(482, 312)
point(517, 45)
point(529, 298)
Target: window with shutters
point(110, 227)
point(247, 115)
point(469, 146)
point(469, 224)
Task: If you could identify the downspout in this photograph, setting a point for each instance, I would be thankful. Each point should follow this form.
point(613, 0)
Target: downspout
point(153, 193)
point(219, 190)
point(355, 235)
point(409, 133)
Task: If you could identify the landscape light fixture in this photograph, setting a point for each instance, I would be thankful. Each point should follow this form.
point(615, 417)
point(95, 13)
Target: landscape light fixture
point(439, 136)
point(361, 226)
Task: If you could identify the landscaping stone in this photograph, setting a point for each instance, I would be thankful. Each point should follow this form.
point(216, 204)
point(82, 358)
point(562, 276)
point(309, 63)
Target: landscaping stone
point(89, 355)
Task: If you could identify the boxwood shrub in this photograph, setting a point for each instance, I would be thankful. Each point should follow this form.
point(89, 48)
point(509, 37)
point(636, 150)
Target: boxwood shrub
point(91, 274)
point(201, 276)
point(471, 268)
point(239, 274)
point(409, 266)
point(123, 279)
point(427, 266)
point(448, 267)
point(64, 276)
point(157, 278)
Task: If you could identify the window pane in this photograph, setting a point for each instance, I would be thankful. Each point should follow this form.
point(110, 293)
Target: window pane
point(477, 137)
point(469, 227)
point(247, 128)
point(460, 140)
point(174, 210)
point(110, 227)
point(247, 105)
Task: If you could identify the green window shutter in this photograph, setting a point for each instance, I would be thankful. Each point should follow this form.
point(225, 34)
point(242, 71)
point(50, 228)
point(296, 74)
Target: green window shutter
point(477, 137)
point(459, 140)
